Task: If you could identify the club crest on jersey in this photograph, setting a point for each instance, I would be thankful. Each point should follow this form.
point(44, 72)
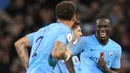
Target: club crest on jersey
point(111, 53)
point(69, 37)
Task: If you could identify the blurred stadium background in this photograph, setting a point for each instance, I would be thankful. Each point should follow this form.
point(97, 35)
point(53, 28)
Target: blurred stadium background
point(20, 17)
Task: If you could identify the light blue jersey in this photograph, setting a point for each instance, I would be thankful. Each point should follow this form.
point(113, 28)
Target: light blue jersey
point(42, 43)
point(61, 67)
point(90, 49)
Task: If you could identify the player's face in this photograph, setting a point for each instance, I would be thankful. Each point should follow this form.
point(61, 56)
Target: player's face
point(77, 31)
point(102, 29)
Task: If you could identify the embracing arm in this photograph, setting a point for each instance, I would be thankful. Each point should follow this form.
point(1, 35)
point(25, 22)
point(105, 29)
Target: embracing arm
point(21, 48)
point(60, 51)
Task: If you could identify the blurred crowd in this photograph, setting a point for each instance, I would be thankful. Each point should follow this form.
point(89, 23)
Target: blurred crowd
point(20, 17)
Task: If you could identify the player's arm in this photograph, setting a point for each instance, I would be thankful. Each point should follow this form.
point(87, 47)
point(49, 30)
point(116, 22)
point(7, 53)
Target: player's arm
point(70, 66)
point(75, 49)
point(112, 70)
point(60, 50)
point(116, 64)
point(21, 48)
point(115, 70)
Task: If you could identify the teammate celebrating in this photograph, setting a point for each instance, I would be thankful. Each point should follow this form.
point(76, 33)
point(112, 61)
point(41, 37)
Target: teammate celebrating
point(61, 67)
point(48, 41)
point(98, 53)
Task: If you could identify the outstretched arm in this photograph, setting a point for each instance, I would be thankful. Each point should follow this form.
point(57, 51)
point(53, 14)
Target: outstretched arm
point(21, 48)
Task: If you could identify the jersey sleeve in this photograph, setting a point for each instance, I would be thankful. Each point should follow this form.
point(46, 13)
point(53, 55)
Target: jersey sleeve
point(116, 62)
point(65, 37)
point(77, 48)
point(31, 38)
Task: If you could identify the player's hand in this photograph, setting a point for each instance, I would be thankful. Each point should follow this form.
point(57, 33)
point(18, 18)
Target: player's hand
point(68, 54)
point(101, 61)
point(68, 51)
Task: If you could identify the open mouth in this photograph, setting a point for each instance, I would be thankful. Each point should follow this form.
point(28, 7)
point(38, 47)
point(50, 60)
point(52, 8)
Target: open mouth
point(102, 34)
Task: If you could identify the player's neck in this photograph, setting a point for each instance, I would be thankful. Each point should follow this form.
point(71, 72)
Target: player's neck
point(102, 42)
point(67, 23)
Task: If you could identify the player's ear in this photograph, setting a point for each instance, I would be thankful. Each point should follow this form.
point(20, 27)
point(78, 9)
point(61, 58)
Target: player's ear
point(110, 28)
point(74, 18)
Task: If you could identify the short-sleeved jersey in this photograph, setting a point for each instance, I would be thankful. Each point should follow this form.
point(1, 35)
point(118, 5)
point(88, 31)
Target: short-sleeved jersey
point(61, 67)
point(90, 49)
point(42, 43)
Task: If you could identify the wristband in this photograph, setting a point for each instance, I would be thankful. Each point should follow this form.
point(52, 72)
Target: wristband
point(68, 56)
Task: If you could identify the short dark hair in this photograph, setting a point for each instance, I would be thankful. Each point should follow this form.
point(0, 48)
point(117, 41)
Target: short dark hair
point(76, 24)
point(101, 17)
point(65, 10)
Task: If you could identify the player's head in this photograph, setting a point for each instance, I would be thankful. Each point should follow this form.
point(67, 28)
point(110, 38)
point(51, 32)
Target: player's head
point(102, 27)
point(77, 29)
point(66, 11)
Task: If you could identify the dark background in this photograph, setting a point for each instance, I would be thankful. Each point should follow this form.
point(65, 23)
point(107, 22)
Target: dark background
point(20, 17)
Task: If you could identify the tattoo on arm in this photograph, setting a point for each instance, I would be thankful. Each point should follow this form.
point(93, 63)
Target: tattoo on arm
point(59, 47)
point(23, 54)
point(59, 50)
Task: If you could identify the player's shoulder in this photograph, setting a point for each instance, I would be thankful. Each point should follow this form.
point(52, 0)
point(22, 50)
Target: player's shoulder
point(115, 44)
point(90, 37)
point(86, 38)
point(55, 27)
point(60, 26)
